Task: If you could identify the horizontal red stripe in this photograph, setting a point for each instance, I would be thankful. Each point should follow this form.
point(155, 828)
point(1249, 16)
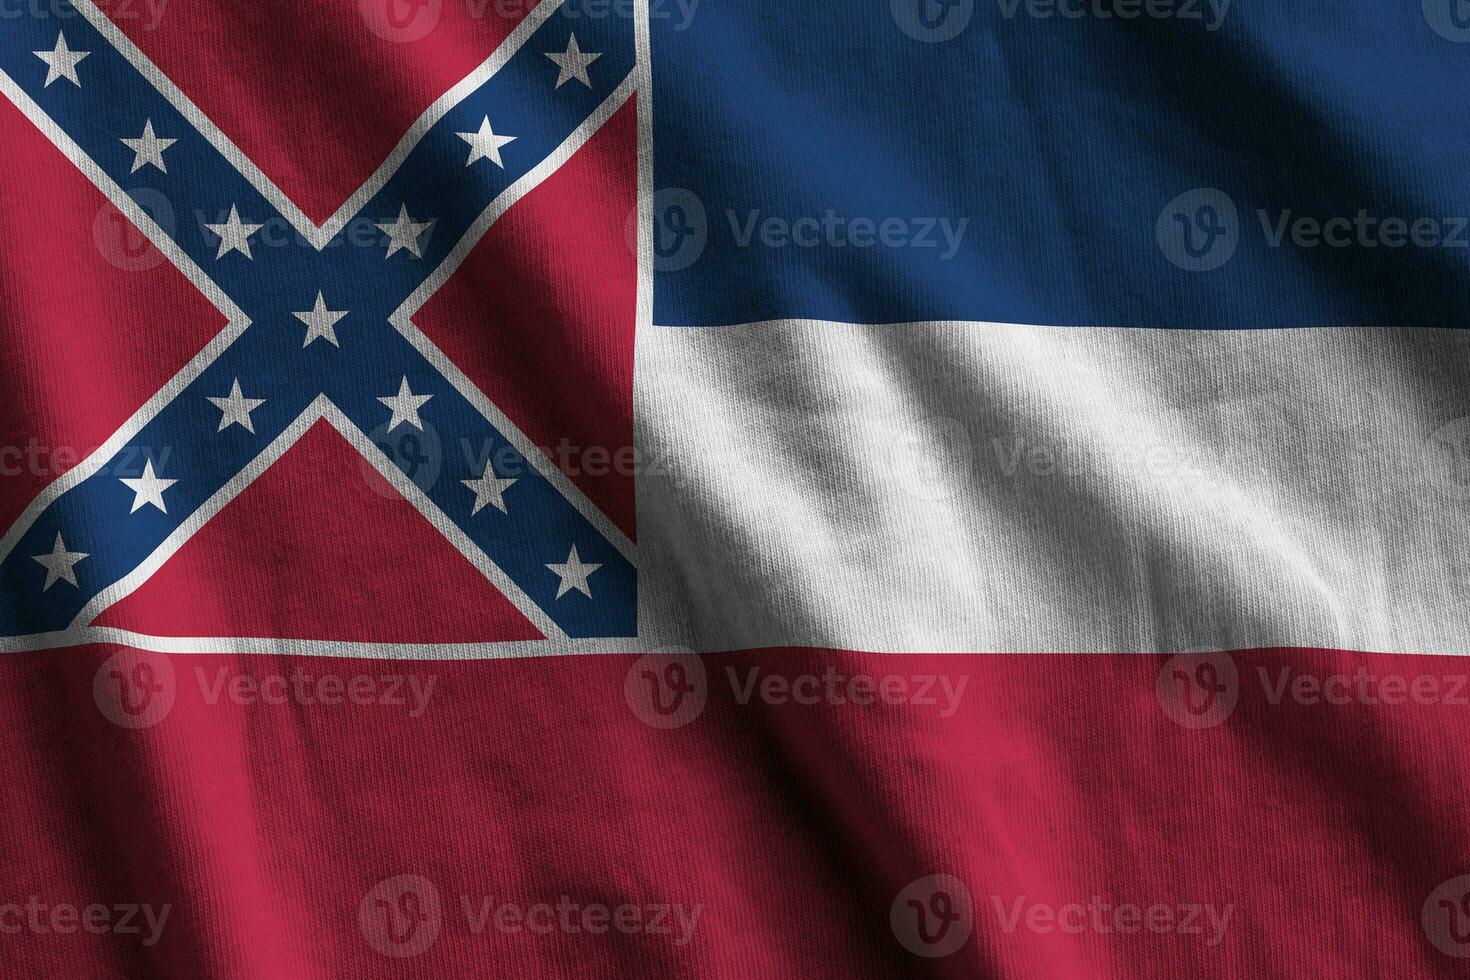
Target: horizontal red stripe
point(1095, 835)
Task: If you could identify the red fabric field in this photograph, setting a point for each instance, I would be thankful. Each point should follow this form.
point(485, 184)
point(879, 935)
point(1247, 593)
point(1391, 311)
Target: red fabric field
point(784, 831)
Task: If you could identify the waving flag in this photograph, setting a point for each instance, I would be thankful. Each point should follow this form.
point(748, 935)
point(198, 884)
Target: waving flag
point(576, 488)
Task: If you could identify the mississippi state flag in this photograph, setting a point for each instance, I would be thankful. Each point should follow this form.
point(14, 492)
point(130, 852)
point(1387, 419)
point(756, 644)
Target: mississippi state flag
point(682, 488)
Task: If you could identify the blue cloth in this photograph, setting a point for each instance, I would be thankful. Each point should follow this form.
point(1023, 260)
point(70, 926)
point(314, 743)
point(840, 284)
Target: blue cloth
point(1061, 142)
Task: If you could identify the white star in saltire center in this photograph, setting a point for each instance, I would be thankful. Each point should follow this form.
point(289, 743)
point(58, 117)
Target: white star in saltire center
point(234, 235)
point(148, 149)
point(59, 564)
point(573, 63)
point(404, 232)
point(320, 322)
point(236, 408)
point(61, 62)
point(148, 489)
point(573, 574)
point(489, 489)
point(405, 406)
point(485, 144)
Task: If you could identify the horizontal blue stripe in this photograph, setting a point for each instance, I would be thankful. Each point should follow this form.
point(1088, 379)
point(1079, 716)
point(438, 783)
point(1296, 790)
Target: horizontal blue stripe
point(817, 141)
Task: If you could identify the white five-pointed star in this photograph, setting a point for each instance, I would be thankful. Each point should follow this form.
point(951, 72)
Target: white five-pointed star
point(59, 564)
point(234, 235)
point(405, 406)
point(485, 144)
point(489, 489)
point(573, 63)
point(573, 574)
point(148, 489)
point(320, 322)
point(148, 148)
point(404, 232)
point(236, 408)
point(61, 62)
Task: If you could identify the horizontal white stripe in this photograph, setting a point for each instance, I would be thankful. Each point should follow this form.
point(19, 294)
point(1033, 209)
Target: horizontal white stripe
point(190, 645)
point(988, 487)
